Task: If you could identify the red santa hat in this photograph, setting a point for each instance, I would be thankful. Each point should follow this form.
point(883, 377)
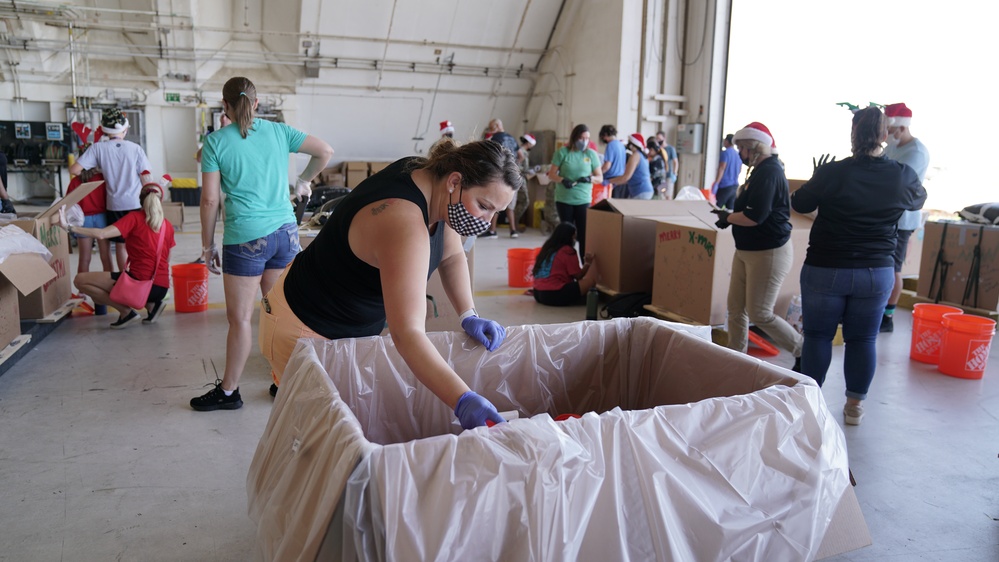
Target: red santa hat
point(898, 115)
point(529, 139)
point(638, 140)
point(758, 132)
point(446, 127)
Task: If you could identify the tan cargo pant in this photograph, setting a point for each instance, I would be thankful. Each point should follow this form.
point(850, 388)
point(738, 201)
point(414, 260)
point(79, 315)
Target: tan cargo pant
point(756, 280)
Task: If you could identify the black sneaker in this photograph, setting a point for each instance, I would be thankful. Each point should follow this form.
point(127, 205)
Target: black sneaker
point(274, 388)
point(514, 234)
point(154, 313)
point(488, 234)
point(124, 321)
point(887, 324)
point(215, 399)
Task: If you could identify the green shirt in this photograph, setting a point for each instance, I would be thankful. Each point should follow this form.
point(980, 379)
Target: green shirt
point(254, 174)
point(573, 165)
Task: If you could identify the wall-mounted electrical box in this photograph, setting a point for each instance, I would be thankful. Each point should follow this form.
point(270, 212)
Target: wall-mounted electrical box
point(690, 138)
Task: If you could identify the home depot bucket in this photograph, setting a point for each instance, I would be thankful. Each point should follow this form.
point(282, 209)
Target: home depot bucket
point(966, 342)
point(190, 287)
point(520, 266)
point(928, 330)
point(600, 192)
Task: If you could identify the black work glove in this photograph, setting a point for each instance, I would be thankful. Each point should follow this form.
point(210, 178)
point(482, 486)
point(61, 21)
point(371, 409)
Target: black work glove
point(824, 159)
point(567, 183)
point(585, 179)
point(722, 221)
point(7, 207)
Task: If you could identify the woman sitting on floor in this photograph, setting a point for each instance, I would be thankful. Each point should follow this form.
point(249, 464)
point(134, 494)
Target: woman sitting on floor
point(558, 278)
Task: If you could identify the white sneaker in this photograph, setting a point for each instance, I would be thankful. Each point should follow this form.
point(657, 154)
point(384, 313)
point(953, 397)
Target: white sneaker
point(853, 413)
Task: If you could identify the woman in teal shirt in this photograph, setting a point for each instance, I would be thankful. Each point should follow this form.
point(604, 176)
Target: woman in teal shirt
point(576, 168)
point(248, 161)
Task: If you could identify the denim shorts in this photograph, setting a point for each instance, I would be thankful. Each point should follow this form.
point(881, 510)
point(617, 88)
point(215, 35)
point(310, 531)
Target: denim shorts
point(93, 221)
point(274, 251)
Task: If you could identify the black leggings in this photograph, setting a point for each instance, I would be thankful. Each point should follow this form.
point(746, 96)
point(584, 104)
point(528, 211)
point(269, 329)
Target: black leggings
point(576, 214)
point(568, 295)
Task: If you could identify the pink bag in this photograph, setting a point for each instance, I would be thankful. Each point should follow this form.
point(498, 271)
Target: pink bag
point(133, 292)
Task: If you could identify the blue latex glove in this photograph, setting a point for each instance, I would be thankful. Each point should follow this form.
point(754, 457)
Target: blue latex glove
point(473, 411)
point(487, 332)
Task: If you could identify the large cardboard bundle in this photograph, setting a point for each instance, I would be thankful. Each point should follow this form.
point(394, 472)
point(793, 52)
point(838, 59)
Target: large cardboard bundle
point(685, 451)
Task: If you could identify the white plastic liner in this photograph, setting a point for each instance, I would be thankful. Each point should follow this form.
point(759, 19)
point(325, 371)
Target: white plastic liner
point(685, 451)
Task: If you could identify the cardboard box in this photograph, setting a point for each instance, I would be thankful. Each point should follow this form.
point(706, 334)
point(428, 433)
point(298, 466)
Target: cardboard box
point(332, 177)
point(53, 294)
point(621, 233)
point(174, 212)
point(24, 274)
point(693, 267)
point(356, 172)
point(377, 167)
point(959, 249)
point(688, 423)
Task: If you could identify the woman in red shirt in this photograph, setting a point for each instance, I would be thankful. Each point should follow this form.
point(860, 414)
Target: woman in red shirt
point(141, 231)
point(93, 206)
point(558, 278)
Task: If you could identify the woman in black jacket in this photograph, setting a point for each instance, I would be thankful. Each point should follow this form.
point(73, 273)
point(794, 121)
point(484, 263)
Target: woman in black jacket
point(848, 272)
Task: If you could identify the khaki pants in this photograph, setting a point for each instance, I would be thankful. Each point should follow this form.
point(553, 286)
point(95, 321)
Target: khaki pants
point(279, 329)
point(756, 281)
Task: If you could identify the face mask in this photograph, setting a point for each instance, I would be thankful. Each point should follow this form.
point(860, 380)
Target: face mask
point(892, 142)
point(745, 161)
point(463, 222)
point(580, 145)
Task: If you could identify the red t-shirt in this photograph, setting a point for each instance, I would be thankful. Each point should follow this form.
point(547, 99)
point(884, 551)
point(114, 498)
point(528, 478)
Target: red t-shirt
point(140, 242)
point(94, 202)
point(564, 270)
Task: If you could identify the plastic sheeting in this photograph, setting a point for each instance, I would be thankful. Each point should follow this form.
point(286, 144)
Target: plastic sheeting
point(13, 240)
point(685, 451)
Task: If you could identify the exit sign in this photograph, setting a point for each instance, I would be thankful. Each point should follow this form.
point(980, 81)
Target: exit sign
point(172, 96)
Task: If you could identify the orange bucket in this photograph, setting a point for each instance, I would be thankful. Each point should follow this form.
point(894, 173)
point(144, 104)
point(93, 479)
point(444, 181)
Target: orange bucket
point(520, 266)
point(600, 192)
point(966, 342)
point(928, 330)
point(190, 287)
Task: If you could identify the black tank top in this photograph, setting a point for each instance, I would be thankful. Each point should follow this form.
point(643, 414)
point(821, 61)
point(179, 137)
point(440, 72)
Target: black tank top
point(329, 288)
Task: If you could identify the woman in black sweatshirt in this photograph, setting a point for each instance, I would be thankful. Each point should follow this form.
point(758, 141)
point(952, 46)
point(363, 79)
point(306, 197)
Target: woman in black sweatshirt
point(848, 272)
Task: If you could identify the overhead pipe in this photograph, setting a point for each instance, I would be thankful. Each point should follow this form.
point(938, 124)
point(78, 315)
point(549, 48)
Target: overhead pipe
point(385, 52)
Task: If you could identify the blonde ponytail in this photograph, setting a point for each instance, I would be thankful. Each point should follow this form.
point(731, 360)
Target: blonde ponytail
point(152, 206)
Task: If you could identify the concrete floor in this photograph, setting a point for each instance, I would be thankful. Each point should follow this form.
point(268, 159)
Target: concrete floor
point(101, 457)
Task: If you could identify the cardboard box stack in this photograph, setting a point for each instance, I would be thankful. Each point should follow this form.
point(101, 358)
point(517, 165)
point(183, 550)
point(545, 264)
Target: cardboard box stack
point(959, 247)
point(20, 273)
point(621, 233)
point(53, 294)
point(355, 173)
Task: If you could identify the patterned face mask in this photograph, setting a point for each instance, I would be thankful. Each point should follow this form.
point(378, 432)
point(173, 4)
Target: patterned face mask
point(463, 222)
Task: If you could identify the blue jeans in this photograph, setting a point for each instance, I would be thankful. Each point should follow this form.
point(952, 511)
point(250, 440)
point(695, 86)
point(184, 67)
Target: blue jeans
point(854, 297)
point(274, 251)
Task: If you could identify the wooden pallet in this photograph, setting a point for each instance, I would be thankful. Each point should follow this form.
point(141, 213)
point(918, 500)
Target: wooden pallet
point(9, 351)
point(718, 333)
point(910, 298)
point(60, 312)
